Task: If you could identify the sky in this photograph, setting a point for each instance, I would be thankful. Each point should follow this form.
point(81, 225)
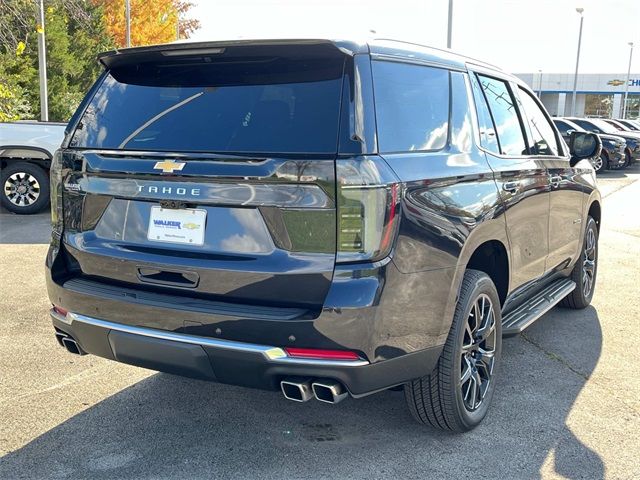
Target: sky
point(518, 36)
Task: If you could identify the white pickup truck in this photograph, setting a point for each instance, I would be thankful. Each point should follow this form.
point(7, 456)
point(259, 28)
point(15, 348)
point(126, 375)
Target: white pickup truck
point(26, 150)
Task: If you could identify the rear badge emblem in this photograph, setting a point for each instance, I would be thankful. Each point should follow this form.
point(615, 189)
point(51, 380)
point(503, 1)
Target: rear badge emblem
point(169, 166)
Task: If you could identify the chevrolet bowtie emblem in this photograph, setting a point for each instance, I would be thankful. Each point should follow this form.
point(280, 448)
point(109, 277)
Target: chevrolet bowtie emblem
point(615, 83)
point(169, 166)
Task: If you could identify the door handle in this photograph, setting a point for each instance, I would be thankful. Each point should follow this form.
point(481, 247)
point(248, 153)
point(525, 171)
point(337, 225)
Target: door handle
point(511, 187)
point(555, 180)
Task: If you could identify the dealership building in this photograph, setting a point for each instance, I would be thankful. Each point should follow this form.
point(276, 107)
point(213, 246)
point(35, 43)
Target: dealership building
point(598, 94)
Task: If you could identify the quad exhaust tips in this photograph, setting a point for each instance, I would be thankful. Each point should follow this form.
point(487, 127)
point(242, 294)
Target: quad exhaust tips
point(303, 389)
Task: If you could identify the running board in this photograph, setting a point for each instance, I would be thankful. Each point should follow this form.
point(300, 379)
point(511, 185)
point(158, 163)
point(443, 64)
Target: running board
point(527, 313)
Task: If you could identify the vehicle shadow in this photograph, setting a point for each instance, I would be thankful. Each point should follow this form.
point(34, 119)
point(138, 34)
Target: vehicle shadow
point(619, 173)
point(24, 229)
point(171, 427)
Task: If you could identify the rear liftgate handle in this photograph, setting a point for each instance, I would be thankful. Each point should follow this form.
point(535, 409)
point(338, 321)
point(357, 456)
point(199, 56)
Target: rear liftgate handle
point(173, 278)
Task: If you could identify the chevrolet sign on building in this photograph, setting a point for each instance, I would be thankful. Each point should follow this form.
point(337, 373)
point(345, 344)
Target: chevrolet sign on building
point(598, 94)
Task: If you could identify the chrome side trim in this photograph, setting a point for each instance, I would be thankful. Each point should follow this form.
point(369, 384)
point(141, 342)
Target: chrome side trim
point(271, 354)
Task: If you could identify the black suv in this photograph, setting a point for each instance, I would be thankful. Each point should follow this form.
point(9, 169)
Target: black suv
point(614, 148)
point(600, 126)
point(327, 218)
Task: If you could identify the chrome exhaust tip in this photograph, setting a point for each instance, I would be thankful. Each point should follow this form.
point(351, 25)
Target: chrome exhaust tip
point(329, 391)
point(72, 346)
point(59, 337)
point(298, 390)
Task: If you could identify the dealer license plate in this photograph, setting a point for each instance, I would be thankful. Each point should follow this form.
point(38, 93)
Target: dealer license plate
point(184, 226)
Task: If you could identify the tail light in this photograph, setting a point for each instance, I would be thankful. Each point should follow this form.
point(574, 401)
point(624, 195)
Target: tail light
point(55, 176)
point(368, 201)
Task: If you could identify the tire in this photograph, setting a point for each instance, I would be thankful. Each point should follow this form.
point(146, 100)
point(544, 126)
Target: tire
point(601, 164)
point(627, 159)
point(443, 399)
point(585, 271)
point(25, 188)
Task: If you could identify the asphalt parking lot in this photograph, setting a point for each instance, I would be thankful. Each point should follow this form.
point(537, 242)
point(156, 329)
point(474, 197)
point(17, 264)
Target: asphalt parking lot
point(567, 404)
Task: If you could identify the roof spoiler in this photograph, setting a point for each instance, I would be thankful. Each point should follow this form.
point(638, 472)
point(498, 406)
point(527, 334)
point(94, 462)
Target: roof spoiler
point(130, 56)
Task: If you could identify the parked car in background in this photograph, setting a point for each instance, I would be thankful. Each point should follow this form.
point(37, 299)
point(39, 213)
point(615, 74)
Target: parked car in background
point(26, 150)
point(250, 212)
point(618, 125)
point(600, 126)
point(632, 125)
point(613, 147)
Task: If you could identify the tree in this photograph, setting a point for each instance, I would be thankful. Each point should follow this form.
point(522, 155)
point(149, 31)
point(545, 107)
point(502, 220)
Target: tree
point(151, 22)
point(75, 33)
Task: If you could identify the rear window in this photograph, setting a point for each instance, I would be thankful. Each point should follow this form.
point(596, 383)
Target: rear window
point(412, 106)
point(256, 105)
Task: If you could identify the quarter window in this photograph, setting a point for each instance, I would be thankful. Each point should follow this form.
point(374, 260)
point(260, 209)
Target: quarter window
point(412, 106)
point(502, 106)
point(562, 127)
point(543, 139)
point(488, 137)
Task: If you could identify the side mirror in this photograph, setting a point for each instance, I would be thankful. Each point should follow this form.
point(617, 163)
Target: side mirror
point(584, 145)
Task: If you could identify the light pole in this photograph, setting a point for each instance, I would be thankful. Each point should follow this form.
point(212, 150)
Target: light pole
point(540, 85)
point(42, 64)
point(127, 17)
point(177, 25)
point(575, 77)
point(450, 24)
point(626, 88)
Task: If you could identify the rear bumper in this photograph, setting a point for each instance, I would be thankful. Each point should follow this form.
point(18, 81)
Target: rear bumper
point(396, 322)
point(237, 363)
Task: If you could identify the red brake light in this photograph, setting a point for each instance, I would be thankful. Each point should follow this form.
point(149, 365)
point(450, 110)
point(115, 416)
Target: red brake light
point(321, 354)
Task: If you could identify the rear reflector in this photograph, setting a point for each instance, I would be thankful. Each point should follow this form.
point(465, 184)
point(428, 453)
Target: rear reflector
point(60, 310)
point(321, 354)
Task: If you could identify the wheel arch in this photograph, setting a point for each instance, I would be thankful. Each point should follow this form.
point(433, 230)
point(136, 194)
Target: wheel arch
point(490, 235)
point(25, 153)
point(492, 258)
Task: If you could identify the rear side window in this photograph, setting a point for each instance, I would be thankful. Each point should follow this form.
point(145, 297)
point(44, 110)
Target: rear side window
point(504, 114)
point(543, 139)
point(562, 127)
point(488, 138)
point(412, 106)
point(263, 105)
point(589, 127)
